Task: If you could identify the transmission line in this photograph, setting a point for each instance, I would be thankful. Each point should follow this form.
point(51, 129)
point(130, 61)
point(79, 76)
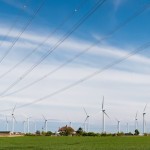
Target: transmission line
point(74, 28)
point(45, 40)
point(24, 28)
point(107, 67)
point(137, 13)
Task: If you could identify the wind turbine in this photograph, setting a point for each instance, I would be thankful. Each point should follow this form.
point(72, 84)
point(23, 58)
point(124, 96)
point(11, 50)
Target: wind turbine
point(86, 121)
point(103, 116)
point(144, 113)
point(45, 123)
point(35, 126)
point(13, 119)
point(127, 127)
point(6, 124)
point(118, 125)
point(28, 123)
point(24, 126)
point(136, 121)
point(70, 124)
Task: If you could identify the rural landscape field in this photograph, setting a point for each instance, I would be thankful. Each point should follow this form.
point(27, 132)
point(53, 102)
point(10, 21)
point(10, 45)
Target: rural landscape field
point(75, 143)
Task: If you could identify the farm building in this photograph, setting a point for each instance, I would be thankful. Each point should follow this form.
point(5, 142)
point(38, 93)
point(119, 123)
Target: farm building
point(5, 133)
point(66, 130)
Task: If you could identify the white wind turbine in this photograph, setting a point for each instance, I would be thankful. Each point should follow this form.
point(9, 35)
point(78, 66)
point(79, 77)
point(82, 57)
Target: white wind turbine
point(13, 119)
point(70, 124)
point(86, 121)
point(28, 123)
point(35, 126)
point(24, 126)
point(103, 116)
point(144, 113)
point(6, 124)
point(127, 127)
point(136, 121)
point(118, 125)
point(45, 123)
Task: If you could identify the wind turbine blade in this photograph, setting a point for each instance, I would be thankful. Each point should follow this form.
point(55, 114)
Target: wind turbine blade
point(145, 108)
point(14, 118)
point(103, 103)
point(44, 124)
point(43, 117)
point(85, 119)
point(14, 108)
point(85, 111)
point(136, 115)
point(106, 115)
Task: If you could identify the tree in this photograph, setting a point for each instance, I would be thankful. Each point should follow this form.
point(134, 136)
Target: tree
point(38, 132)
point(136, 132)
point(48, 133)
point(79, 131)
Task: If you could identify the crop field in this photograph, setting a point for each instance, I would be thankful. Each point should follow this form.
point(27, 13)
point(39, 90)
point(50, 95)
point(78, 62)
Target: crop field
point(75, 143)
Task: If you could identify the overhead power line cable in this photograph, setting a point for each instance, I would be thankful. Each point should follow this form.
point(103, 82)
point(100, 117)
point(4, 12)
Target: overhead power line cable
point(22, 31)
point(107, 67)
point(46, 39)
point(137, 13)
point(73, 29)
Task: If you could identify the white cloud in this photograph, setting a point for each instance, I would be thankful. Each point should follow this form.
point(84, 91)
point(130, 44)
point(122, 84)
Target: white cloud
point(121, 88)
point(31, 40)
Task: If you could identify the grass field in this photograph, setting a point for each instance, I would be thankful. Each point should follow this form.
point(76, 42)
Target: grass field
point(75, 143)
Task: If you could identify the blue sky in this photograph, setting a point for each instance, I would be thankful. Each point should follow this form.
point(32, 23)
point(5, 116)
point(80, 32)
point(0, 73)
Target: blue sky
point(124, 85)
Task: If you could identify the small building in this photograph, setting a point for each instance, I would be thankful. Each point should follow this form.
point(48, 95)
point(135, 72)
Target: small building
point(5, 133)
point(66, 130)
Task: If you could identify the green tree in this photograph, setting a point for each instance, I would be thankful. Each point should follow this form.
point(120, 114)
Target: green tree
point(136, 132)
point(79, 131)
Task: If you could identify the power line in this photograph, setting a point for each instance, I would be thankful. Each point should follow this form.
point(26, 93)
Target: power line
point(74, 28)
point(107, 67)
point(45, 40)
point(24, 28)
point(137, 13)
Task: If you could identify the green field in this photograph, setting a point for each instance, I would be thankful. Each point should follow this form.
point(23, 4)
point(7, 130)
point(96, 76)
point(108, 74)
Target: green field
point(75, 143)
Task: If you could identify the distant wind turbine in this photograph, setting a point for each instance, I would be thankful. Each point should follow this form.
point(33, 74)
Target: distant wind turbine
point(24, 127)
point(35, 126)
point(6, 124)
point(127, 127)
point(13, 119)
point(45, 123)
point(144, 113)
point(86, 121)
point(136, 121)
point(103, 117)
point(28, 123)
point(118, 125)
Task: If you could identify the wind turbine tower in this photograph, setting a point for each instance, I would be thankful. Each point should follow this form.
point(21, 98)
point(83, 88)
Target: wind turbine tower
point(136, 121)
point(103, 117)
point(28, 123)
point(118, 125)
point(6, 124)
point(127, 127)
point(13, 119)
point(24, 126)
point(144, 113)
point(45, 123)
point(86, 122)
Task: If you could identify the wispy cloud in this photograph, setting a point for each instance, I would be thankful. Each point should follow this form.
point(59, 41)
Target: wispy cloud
point(31, 40)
